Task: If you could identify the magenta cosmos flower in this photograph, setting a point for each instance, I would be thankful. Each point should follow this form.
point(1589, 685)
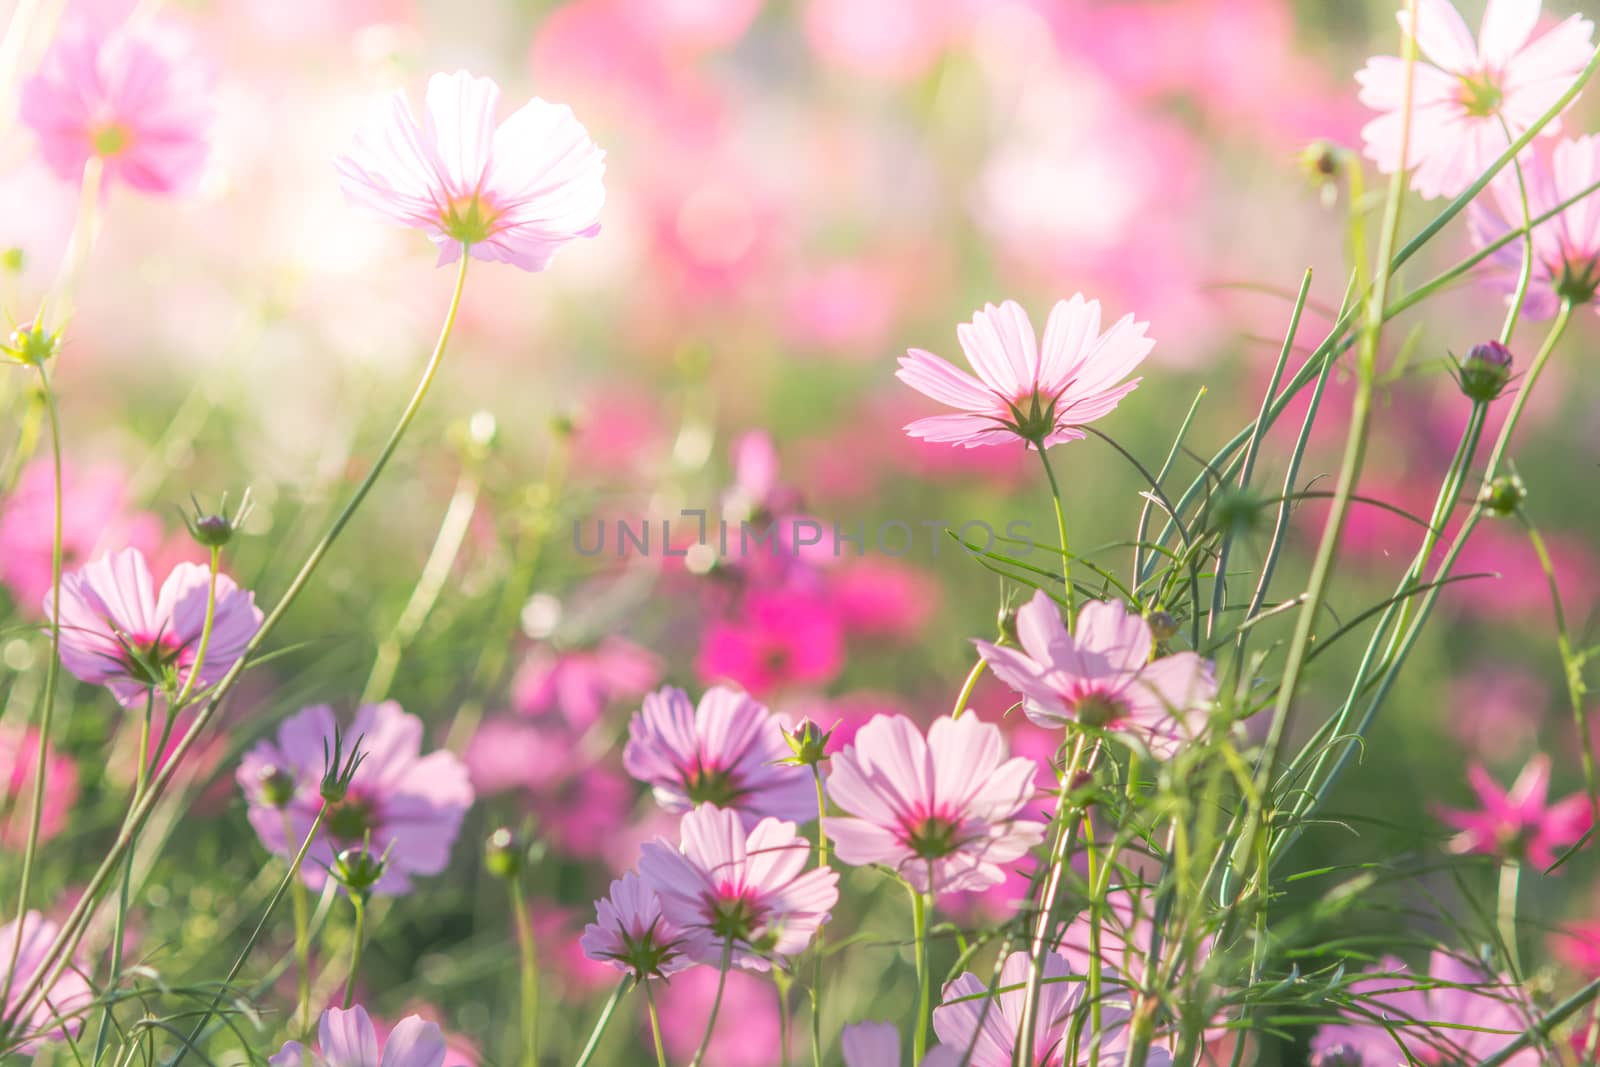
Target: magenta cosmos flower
point(19, 770)
point(1566, 249)
point(989, 1025)
point(1103, 676)
point(126, 96)
point(346, 1038)
point(1039, 394)
point(514, 194)
point(1467, 95)
point(59, 1011)
point(116, 631)
point(779, 638)
point(944, 812)
point(410, 804)
point(1520, 823)
point(1460, 1015)
point(631, 934)
point(728, 752)
point(744, 892)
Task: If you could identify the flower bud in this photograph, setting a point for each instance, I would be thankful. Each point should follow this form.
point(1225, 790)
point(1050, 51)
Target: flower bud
point(1323, 162)
point(277, 787)
point(808, 742)
point(357, 870)
point(216, 530)
point(31, 345)
point(1163, 627)
point(1504, 495)
point(1007, 624)
point(1483, 374)
point(12, 260)
point(503, 853)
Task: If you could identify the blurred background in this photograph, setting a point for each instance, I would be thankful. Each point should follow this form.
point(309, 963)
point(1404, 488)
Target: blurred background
point(798, 191)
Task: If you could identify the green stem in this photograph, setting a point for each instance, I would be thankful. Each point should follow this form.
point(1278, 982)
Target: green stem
point(55, 958)
point(205, 638)
point(359, 900)
point(968, 686)
point(822, 813)
point(46, 718)
point(528, 958)
point(716, 1004)
point(655, 1026)
point(119, 923)
point(1510, 877)
point(601, 1023)
point(302, 940)
point(1061, 532)
point(919, 932)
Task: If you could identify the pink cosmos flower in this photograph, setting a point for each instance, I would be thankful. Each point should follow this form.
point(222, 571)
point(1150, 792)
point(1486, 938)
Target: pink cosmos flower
point(750, 1033)
point(1566, 249)
point(94, 514)
point(127, 96)
point(883, 598)
point(1519, 822)
point(581, 683)
point(1470, 1016)
point(944, 812)
point(69, 995)
point(116, 632)
point(631, 934)
point(1577, 944)
point(1466, 96)
point(346, 1038)
point(576, 805)
point(778, 638)
point(727, 752)
point(962, 1021)
point(513, 194)
point(747, 892)
point(410, 804)
point(1103, 676)
point(1041, 395)
point(19, 753)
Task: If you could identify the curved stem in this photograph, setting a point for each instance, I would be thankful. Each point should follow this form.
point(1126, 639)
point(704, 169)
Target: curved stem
point(968, 686)
point(360, 902)
point(52, 673)
point(55, 958)
point(601, 1023)
point(205, 637)
point(716, 1004)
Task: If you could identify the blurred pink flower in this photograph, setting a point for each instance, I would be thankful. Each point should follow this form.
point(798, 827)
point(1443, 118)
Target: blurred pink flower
point(19, 761)
point(411, 804)
point(749, 1034)
point(968, 1019)
point(1577, 944)
point(347, 1038)
point(882, 598)
point(631, 934)
point(1495, 710)
point(747, 891)
point(581, 683)
point(1103, 676)
point(893, 40)
point(94, 513)
point(727, 751)
point(778, 638)
point(693, 26)
point(945, 812)
point(878, 1045)
point(513, 194)
point(1038, 395)
point(459, 1052)
point(1466, 95)
point(116, 632)
point(1566, 249)
point(125, 95)
point(1468, 1016)
point(576, 804)
point(70, 995)
point(1520, 822)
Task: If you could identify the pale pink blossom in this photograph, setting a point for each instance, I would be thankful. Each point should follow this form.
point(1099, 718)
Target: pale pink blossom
point(747, 892)
point(631, 934)
point(989, 1025)
point(581, 683)
point(347, 1038)
point(1103, 676)
point(19, 763)
point(1466, 95)
point(126, 95)
point(514, 194)
point(1458, 1013)
point(727, 751)
point(878, 1045)
point(116, 631)
point(944, 812)
point(1519, 822)
point(1566, 249)
point(1042, 395)
point(59, 1011)
point(410, 804)
point(95, 514)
